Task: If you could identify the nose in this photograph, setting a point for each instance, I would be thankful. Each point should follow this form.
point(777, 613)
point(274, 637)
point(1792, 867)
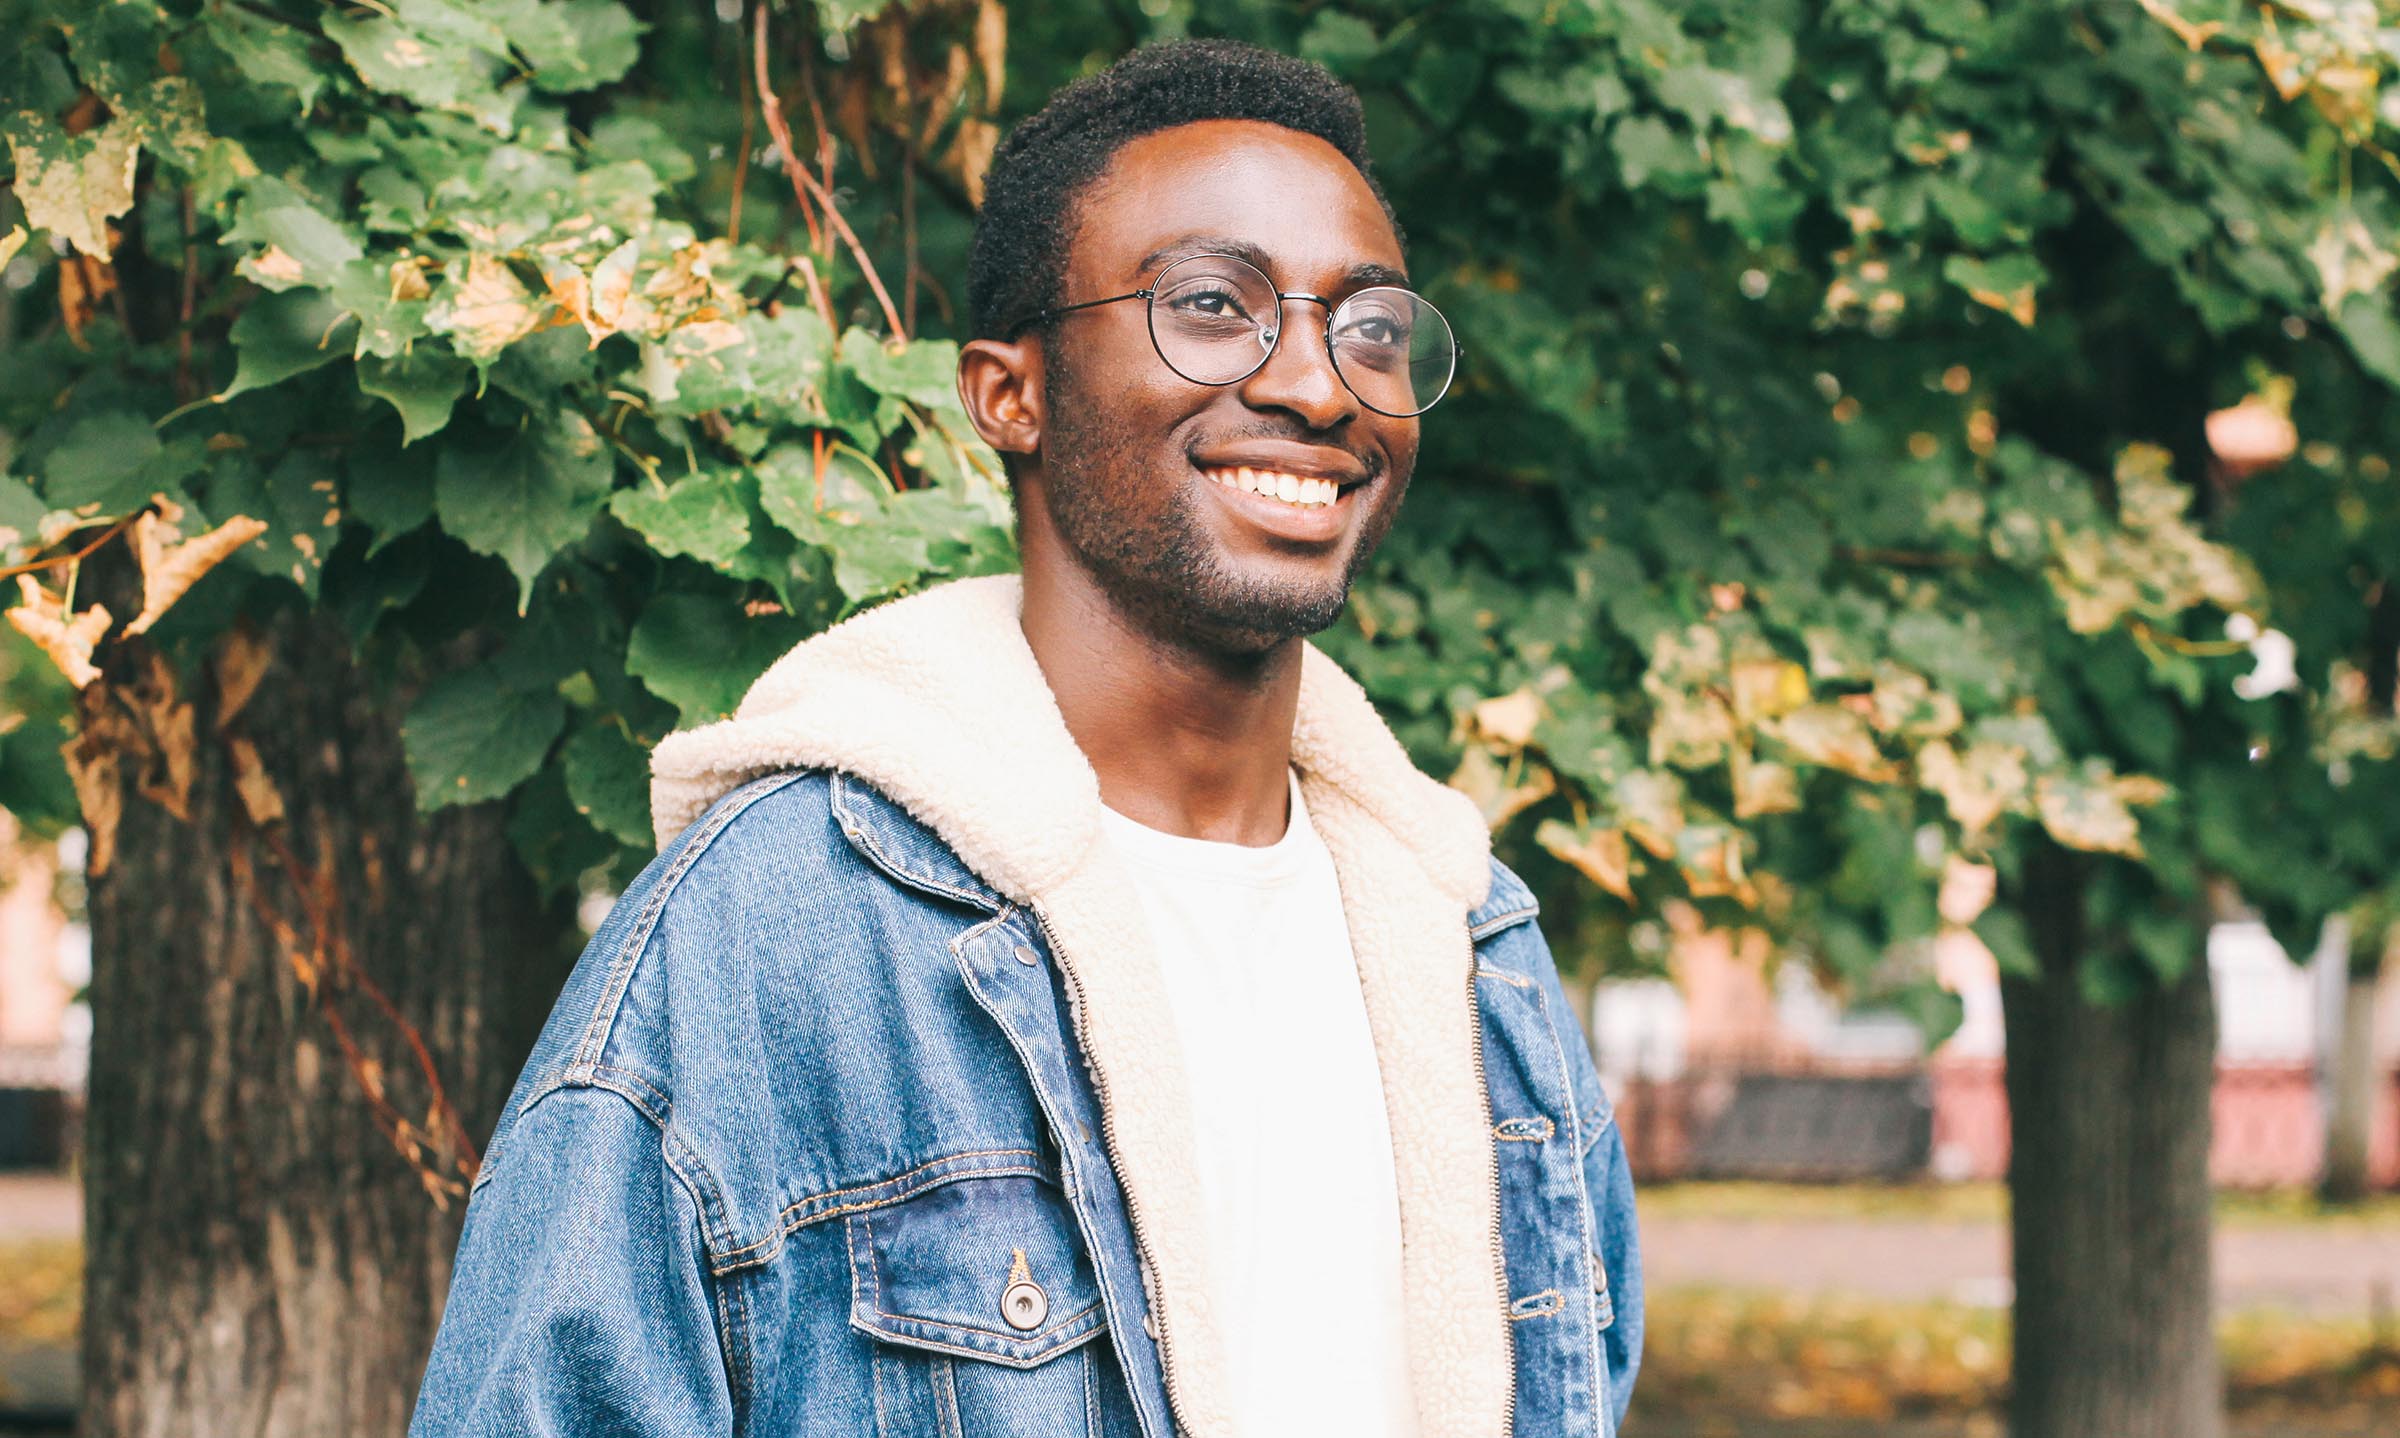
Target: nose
point(1299, 377)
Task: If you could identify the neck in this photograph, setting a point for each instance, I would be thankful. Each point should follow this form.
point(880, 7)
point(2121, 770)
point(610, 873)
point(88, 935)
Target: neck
point(1183, 740)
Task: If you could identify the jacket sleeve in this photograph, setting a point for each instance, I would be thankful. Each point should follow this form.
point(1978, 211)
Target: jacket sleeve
point(581, 1302)
point(1608, 1181)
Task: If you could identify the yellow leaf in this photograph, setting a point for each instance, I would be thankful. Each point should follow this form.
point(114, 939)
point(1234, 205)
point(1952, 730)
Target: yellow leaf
point(169, 567)
point(261, 800)
point(1506, 722)
point(1602, 856)
point(486, 311)
point(1501, 793)
point(1765, 688)
point(10, 243)
point(1763, 787)
point(1988, 781)
point(1835, 738)
point(69, 640)
point(991, 51)
point(73, 185)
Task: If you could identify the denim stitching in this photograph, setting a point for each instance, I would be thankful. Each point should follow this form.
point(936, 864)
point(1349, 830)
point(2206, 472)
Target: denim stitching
point(629, 953)
point(1070, 1155)
point(1497, 922)
point(858, 834)
point(1484, 971)
point(945, 1399)
point(875, 1271)
point(1537, 1129)
point(1536, 1305)
point(1091, 1396)
point(739, 1257)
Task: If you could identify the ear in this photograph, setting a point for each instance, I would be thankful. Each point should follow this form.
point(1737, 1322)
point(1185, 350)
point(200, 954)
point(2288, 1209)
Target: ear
point(1000, 383)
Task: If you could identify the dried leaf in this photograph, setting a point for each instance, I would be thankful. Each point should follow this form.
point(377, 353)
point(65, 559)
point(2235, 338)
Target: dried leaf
point(93, 766)
point(10, 243)
point(83, 283)
point(1835, 738)
point(169, 736)
point(1980, 786)
point(261, 800)
point(970, 155)
point(1765, 688)
point(1763, 787)
point(1501, 792)
point(241, 663)
point(991, 51)
point(73, 184)
point(170, 567)
point(1602, 856)
point(42, 617)
point(1505, 722)
point(486, 311)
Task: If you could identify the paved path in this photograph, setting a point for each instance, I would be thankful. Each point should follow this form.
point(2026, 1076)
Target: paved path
point(39, 1205)
point(2330, 1269)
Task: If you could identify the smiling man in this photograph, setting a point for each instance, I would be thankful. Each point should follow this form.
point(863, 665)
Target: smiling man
point(1059, 1006)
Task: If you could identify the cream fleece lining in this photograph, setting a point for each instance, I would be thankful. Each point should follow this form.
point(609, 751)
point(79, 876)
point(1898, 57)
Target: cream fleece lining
point(937, 701)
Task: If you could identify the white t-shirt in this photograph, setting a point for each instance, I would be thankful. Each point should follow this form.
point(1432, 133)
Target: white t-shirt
point(1295, 1151)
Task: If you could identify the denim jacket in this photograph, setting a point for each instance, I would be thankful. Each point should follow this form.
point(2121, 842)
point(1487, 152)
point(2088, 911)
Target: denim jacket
point(862, 1112)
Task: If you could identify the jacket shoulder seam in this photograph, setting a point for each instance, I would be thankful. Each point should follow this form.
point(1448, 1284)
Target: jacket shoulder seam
point(695, 843)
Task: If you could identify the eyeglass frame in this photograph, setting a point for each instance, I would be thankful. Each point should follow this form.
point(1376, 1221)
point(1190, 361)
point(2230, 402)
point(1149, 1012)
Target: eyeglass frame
point(1149, 294)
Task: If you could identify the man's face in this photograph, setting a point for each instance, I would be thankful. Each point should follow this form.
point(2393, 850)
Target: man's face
point(1140, 468)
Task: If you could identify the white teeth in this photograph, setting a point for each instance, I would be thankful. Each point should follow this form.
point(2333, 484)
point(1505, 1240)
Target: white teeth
point(1273, 484)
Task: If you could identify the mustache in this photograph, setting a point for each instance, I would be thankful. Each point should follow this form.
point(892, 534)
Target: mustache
point(1372, 462)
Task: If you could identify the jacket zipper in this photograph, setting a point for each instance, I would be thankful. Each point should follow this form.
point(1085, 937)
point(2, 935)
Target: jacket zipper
point(1508, 1412)
point(1108, 1139)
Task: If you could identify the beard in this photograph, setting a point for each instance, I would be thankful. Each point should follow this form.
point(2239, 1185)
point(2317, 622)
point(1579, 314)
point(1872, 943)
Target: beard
point(1157, 563)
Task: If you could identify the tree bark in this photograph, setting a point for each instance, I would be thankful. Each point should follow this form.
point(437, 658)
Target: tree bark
point(2349, 1122)
point(2108, 1180)
point(261, 1259)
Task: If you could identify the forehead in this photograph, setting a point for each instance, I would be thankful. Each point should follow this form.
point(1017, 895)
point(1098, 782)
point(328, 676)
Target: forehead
point(1295, 197)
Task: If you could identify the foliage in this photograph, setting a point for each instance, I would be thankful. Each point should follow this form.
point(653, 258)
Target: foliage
point(428, 316)
point(1827, 503)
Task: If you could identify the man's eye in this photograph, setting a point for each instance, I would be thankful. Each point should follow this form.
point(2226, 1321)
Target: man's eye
point(1375, 330)
point(1208, 302)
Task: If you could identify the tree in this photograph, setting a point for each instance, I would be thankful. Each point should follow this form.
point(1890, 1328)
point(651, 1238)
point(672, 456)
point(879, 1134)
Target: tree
point(1826, 503)
point(393, 406)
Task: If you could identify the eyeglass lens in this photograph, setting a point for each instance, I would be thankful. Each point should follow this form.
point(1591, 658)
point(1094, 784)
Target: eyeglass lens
point(1214, 320)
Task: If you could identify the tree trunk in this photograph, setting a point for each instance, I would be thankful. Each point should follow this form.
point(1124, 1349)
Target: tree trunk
point(261, 1259)
point(2108, 1178)
point(2349, 1122)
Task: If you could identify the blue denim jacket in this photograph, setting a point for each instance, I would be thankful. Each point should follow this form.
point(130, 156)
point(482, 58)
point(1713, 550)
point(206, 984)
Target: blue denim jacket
point(812, 1144)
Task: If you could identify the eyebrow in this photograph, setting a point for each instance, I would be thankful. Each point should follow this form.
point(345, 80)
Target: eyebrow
point(1359, 276)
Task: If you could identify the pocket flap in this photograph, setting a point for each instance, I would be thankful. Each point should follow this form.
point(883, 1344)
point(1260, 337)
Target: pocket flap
point(988, 1267)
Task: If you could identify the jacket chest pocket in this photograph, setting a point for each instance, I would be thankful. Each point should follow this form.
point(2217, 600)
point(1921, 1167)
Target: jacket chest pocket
point(981, 1304)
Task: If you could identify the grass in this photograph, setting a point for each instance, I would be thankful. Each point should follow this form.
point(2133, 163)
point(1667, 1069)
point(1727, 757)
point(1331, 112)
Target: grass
point(41, 1290)
point(1960, 1203)
point(1746, 1353)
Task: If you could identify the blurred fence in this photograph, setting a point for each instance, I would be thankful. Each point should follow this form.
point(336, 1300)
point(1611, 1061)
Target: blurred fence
point(1777, 1115)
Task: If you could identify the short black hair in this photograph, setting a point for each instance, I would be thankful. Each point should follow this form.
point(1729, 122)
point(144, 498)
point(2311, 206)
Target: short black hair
point(1018, 262)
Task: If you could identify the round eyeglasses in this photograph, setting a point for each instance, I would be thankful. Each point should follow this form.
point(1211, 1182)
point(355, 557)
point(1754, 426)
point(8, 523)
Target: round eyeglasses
point(1215, 320)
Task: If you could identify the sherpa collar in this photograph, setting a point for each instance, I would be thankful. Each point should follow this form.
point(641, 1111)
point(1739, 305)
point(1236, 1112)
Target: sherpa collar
point(937, 701)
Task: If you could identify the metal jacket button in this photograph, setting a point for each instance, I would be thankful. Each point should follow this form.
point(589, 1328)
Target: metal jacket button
point(1026, 955)
point(1024, 1305)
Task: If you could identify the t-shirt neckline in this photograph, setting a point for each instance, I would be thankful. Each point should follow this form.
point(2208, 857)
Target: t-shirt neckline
point(1214, 858)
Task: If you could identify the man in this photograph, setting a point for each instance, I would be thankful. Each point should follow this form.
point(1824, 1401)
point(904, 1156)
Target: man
point(1059, 1007)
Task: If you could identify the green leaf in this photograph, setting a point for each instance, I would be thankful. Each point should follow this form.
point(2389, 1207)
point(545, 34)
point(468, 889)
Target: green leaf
point(701, 516)
point(267, 53)
point(300, 501)
point(281, 335)
point(574, 44)
point(422, 385)
point(434, 52)
point(700, 652)
point(473, 736)
point(923, 372)
point(110, 463)
point(388, 489)
point(608, 780)
point(524, 496)
point(557, 844)
point(2374, 335)
point(302, 245)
